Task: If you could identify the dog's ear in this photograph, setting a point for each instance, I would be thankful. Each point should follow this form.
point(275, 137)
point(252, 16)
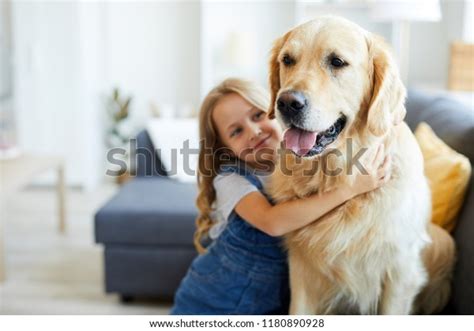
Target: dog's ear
point(387, 99)
point(274, 72)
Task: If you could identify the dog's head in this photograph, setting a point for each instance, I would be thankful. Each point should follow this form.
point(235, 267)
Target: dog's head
point(329, 76)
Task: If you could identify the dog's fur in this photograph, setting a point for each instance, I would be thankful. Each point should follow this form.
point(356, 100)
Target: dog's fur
point(377, 252)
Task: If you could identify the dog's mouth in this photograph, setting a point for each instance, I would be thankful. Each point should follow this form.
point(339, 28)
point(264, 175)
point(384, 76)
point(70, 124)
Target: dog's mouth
point(306, 143)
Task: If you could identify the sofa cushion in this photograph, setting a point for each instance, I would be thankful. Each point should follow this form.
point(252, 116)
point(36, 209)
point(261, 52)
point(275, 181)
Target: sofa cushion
point(451, 120)
point(145, 156)
point(176, 141)
point(149, 211)
point(463, 280)
point(448, 174)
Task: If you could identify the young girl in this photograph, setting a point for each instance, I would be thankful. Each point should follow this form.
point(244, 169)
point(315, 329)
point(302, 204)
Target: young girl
point(244, 270)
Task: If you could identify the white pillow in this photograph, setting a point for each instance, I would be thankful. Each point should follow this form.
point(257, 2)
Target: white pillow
point(168, 136)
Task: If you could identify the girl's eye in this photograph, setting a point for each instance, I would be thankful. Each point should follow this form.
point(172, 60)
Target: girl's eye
point(235, 132)
point(259, 115)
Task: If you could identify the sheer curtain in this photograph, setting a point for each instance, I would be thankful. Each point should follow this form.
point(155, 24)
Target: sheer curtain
point(8, 137)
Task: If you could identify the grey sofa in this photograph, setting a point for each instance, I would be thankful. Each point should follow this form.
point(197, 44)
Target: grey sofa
point(453, 122)
point(147, 228)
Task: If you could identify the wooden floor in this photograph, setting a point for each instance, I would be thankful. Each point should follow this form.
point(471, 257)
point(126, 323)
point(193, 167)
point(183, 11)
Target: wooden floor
point(49, 273)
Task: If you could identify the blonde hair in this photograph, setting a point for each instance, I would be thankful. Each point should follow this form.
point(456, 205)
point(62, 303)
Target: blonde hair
point(211, 148)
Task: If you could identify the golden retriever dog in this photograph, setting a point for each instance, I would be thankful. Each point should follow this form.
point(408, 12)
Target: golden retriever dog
point(335, 87)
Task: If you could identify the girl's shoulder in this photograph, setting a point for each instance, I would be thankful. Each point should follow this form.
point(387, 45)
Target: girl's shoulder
point(230, 188)
point(239, 168)
point(235, 176)
point(232, 182)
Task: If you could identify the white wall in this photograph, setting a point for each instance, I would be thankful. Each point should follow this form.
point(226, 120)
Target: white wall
point(92, 75)
point(47, 81)
point(260, 21)
point(468, 24)
point(5, 49)
point(69, 55)
point(152, 52)
point(356, 11)
point(430, 45)
point(429, 41)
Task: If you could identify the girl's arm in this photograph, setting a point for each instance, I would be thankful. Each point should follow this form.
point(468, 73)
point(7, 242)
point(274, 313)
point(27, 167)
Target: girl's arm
point(291, 215)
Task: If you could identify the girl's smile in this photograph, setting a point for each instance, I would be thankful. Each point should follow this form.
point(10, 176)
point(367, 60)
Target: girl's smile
point(246, 130)
point(262, 142)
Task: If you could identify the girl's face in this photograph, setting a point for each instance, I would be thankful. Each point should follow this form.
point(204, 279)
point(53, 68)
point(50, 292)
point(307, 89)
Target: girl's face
point(246, 130)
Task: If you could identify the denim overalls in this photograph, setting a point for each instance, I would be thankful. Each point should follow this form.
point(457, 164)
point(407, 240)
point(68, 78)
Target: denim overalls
point(244, 271)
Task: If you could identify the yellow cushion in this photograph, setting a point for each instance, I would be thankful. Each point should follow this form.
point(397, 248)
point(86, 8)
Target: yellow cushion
point(448, 174)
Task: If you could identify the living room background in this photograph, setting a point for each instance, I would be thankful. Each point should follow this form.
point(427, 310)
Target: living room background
point(68, 56)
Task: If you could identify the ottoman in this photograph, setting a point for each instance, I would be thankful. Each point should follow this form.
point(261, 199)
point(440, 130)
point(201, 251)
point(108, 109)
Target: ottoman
point(147, 232)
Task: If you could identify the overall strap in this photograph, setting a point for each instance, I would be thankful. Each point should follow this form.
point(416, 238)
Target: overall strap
point(240, 233)
point(242, 170)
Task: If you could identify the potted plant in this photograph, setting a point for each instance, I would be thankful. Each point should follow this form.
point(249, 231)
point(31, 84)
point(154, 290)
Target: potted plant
point(119, 128)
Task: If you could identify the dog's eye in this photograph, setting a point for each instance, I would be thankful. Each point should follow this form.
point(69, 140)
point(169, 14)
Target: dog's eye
point(337, 62)
point(288, 60)
point(331, 130)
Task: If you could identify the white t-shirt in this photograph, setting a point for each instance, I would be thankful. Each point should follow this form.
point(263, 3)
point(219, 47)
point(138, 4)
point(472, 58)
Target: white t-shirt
point(230, 188)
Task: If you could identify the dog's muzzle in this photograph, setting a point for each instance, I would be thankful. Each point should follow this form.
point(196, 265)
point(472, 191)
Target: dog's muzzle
point(306, 143)
point(292, 106)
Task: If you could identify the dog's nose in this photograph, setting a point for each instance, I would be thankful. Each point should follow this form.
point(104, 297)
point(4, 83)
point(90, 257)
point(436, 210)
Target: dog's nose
point(291, 103)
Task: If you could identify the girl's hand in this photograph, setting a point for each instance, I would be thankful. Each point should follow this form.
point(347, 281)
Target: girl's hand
point(377, 166)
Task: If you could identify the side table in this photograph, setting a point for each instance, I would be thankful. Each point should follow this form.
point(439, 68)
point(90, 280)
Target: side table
point(17, 173)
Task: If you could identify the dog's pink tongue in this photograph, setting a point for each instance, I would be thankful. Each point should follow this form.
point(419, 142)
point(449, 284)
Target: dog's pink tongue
point(299, 141)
